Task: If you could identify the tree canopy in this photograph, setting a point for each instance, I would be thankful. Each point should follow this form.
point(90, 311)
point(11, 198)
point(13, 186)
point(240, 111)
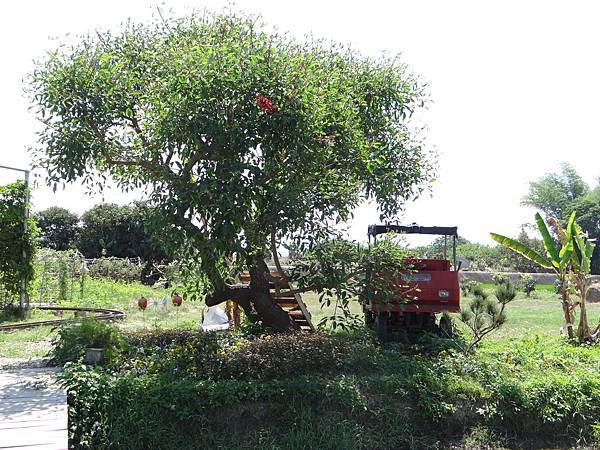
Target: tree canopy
point(555, 192)
point(558, 195)
point(58, 227)
point(242, 137)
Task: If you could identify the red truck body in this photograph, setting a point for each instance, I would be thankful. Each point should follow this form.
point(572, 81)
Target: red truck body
point(425, 288)
point(428, 287)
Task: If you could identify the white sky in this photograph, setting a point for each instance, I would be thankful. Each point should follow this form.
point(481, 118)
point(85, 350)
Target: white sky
point(515, 88)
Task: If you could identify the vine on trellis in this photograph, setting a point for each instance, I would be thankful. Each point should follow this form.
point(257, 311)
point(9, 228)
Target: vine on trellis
point(17, 245)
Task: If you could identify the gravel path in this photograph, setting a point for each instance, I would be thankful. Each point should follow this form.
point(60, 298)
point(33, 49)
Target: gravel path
point(15, 363)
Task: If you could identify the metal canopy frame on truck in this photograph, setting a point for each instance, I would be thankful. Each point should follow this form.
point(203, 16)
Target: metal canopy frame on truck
point(375, 230)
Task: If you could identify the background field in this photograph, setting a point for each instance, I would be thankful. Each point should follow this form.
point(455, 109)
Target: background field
point(538, 314)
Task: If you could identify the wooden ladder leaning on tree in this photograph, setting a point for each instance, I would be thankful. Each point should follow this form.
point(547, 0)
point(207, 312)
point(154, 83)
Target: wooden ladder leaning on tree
point(290, 302)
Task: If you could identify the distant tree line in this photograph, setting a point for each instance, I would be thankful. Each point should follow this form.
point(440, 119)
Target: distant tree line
point(485, 257)
point(555, 194)
point(106, 229)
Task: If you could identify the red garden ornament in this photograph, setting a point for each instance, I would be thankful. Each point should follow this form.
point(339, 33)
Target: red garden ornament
point(142, 303)
point(177, 300)
point(265, 104)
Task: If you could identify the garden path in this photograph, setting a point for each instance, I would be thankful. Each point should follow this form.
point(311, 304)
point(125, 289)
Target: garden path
point(33, 410)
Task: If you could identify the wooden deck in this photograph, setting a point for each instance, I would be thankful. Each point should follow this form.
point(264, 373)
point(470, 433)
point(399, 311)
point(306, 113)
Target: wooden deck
point(33, 411)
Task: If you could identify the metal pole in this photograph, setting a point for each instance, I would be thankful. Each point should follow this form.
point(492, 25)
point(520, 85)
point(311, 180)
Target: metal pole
point(454, 252)
point(445, 247)
point(24, 298)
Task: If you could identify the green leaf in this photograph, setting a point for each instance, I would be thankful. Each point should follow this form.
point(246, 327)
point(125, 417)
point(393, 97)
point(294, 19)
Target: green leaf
point(548, 241)
point(522, 249)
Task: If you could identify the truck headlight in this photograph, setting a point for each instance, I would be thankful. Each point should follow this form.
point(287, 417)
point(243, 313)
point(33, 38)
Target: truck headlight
point(443, 293)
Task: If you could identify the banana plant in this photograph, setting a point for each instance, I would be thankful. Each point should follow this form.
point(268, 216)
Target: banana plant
point(581, 266)
point(559, 260)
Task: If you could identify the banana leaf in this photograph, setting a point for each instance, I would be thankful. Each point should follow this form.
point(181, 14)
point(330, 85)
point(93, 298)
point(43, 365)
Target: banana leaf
point(522, 249)
point(572, 230)
point(548, 241)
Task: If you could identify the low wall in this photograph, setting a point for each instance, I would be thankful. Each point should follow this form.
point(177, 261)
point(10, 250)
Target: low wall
point(488, 277)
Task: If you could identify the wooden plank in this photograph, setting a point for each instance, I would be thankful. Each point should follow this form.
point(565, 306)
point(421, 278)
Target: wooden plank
point(287, 305)
point(33, 410)
point(303, 308)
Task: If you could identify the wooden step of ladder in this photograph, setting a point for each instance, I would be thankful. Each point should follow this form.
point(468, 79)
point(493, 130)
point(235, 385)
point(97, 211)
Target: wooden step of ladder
point(290, 303)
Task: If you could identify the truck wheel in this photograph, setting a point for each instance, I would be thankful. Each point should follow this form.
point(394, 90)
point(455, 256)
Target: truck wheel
point(446, 328)
point(381, 327)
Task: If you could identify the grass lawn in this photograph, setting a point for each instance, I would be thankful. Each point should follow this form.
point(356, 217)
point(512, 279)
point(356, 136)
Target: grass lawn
point(100, 293)
point(541, 313)
point(538, 314)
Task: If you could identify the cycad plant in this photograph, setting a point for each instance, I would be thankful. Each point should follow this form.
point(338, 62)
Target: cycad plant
point(571, 263)
point(485, 315)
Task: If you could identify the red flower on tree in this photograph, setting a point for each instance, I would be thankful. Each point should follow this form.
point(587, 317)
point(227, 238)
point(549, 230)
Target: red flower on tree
point(265, 104)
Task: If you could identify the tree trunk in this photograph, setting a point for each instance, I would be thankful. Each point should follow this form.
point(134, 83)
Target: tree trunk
point(255, 299)
point(271, 313)
point(583, 330)
point(566, 305)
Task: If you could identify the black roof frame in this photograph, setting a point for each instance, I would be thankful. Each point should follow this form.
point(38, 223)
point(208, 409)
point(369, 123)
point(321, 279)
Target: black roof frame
point(374, 230)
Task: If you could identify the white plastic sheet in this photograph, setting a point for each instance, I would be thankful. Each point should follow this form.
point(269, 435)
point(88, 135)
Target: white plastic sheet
point(215, 319)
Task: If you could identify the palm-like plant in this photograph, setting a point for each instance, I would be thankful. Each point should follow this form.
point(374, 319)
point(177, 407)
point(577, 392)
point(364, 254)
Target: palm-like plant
point(570, 266)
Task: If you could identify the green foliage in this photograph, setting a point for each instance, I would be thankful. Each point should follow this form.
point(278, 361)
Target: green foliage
point(514, 261)
point(555, 193)
point(283, 356)
point(116, 269)
point(534, 393)
point(484, 315)
point(500, 278)
point(17, 248)
point(559, 194)
point(120, 231)
point(467, 287)
point(72, 340)
point(234, 132)
point(588, 211)
point(342, 272)
point(480, 256)
point(527, 284)
point(58, 228)
point(571, 263)
point(521, 249)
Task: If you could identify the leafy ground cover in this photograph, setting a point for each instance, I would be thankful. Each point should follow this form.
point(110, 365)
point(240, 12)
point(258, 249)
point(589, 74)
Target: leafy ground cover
point(185, 389)
point(179, 388)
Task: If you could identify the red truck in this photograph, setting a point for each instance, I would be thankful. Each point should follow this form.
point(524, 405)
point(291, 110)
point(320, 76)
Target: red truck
point(420, 289)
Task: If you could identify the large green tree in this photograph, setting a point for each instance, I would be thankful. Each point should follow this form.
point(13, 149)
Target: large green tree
point(241, 137)
point(555, 192)
point(58, 227)
point(560, 194)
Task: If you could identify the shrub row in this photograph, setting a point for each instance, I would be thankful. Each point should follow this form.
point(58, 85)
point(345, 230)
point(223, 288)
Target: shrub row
point(322, 391)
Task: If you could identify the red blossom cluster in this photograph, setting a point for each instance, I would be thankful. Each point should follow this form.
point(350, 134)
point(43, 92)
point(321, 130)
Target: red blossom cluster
point(265, 104)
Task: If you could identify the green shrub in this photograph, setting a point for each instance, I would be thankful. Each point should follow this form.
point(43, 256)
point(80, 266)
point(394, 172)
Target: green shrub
point(527, 284)
point(341, 391)
point(467, 287)
point(72, 340)
point(282, 356)
point(500, 278)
